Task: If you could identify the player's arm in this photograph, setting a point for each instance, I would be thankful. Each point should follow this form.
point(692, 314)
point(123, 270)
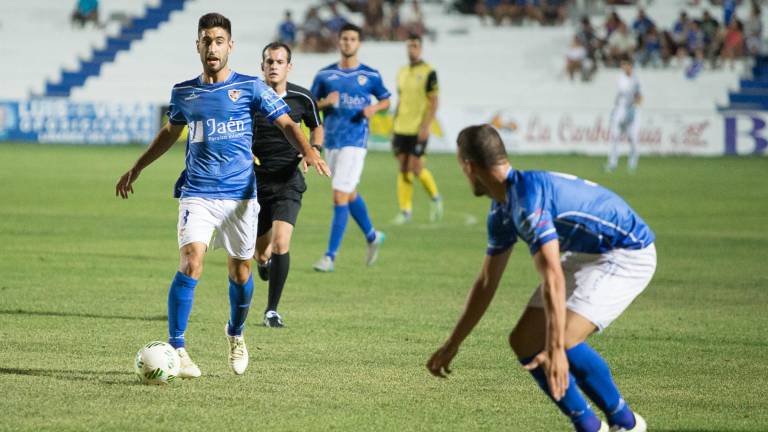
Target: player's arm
point(166, 137)
point(432, 104)
point(330, 100)
point(317, 137)
point(429, 116)
point(638, 99)
point(295, 136)
point(478, 299)
point(372, 109)
point(553, 359)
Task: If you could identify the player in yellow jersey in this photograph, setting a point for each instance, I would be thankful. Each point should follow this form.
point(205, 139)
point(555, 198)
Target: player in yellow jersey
point(417, 104)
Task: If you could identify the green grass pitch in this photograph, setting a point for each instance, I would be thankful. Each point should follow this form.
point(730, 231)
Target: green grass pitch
point(84, 277)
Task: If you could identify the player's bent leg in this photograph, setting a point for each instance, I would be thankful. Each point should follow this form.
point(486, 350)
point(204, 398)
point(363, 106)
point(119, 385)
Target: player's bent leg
point(527, 340)
point(180, 299)
point(338, 227)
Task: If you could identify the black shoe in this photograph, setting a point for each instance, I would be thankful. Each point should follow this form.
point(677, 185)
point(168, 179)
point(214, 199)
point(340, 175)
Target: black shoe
point(263, 269)
point(273, 319)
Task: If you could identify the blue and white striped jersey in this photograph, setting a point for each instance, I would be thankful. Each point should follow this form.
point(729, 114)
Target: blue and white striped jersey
point(584, 216)
point(345, 125)
point(219, 163)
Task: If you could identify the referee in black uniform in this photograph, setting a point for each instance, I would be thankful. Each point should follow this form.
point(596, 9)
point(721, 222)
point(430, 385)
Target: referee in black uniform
point(280, 183)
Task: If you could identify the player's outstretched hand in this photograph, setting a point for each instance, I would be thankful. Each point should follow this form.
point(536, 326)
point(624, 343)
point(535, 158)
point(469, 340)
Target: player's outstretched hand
point(555, 366)
point(125, 184)
point(440, 360)
point(314, 159)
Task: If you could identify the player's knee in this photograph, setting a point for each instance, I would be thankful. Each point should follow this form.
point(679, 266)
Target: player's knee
point(191, 265)
point(281, 244)
point(240, 272)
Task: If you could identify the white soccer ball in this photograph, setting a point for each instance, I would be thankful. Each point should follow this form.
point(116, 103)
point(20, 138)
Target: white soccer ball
point(157, 363)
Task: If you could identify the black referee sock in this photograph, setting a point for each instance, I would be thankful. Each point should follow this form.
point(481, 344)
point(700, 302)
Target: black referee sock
point(278, 273)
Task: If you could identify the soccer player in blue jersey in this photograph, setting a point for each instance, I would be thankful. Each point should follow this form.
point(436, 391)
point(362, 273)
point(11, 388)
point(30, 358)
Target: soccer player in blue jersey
point(217, 189)
point(594, 254)
point(344, 91)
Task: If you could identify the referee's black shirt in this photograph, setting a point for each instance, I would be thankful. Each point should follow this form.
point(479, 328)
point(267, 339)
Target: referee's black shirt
point(275, 154)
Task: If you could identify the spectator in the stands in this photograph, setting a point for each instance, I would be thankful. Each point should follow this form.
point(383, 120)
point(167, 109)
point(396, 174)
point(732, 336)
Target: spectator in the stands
point(733, 42)
point(286, 31)
point(650, 48)
point(497, 10)
point(337, 21)
point(612, 22)
point(621, 44)
point(680, 29)
point(642, 23)
point(577, 60)
point(753, 31)
point(588, 37)
point(413, 21)
point(373, 16)
point(521, 9)
point(554, 12)
point(313, 29)
point(86, 11)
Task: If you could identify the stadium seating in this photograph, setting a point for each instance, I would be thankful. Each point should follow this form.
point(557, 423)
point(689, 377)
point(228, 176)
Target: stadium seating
point(40, 39)
point(479, 66)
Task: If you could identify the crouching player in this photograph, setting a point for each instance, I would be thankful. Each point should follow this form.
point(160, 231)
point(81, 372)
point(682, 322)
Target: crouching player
point(608, 258)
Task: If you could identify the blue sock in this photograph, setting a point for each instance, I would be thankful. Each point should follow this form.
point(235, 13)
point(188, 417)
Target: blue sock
point(339, 224)
point(572, 404)
point(180, 296)
point(360, 213)
point(594, 378)
point(239, 303)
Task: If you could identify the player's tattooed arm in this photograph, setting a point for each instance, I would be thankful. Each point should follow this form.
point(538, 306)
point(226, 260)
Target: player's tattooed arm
point(166, 137)
point(478, 299)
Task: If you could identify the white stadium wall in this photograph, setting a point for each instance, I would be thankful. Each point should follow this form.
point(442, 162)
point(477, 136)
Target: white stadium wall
point(511, 77)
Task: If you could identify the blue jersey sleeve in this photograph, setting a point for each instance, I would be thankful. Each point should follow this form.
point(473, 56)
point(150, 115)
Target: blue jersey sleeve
point(267, 102)
point(175, 116)
point(378, 88)
point(318, 88)
point(501, 231)
point(537, 228)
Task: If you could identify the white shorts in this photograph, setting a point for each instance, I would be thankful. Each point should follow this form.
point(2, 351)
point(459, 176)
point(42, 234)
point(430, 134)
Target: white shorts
point(228, 223)
point(346, 166)
point(600, 287)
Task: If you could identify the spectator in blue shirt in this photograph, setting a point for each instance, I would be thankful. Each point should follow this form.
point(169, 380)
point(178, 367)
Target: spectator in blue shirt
point(286, 31)
point(86, 11)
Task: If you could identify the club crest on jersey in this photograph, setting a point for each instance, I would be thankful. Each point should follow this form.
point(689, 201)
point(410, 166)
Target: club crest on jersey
point(234, 95)
point(362, 79)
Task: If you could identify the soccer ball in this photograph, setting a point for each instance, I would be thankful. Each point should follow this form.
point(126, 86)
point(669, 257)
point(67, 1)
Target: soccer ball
point(157, 363)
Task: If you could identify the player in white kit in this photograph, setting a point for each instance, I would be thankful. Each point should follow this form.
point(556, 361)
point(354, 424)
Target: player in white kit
point(625, 118)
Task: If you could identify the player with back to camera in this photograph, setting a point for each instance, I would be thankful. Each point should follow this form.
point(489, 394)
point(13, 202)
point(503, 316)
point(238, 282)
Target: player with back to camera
point(343, 91)
point(608, 258)
point(279, 181)
point(217, 189)
point(417, 90)
point(625, 118)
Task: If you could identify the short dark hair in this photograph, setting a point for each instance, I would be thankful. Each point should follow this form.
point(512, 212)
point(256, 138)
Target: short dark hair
point(276, 46)
point(414, 37)
point(213, 19)
point(482, 145)
point(351, 27)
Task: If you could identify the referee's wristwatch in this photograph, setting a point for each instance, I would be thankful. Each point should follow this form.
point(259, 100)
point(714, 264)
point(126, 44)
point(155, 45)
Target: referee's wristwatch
point(318, 148)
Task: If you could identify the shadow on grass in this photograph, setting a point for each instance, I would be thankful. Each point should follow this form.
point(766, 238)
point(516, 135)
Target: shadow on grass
point(103, 377)
point(82, 315)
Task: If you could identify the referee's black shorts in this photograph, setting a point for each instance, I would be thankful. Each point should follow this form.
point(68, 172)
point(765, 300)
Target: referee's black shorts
point(279, 196)
point(408, 144)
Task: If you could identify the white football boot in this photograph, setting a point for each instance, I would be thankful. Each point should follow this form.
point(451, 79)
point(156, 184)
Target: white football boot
point(325, 264)
point(187, 368)
point(373, 248)
point(640, 425)
point(603, 427)
point(436, 209)
point(238, 353)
